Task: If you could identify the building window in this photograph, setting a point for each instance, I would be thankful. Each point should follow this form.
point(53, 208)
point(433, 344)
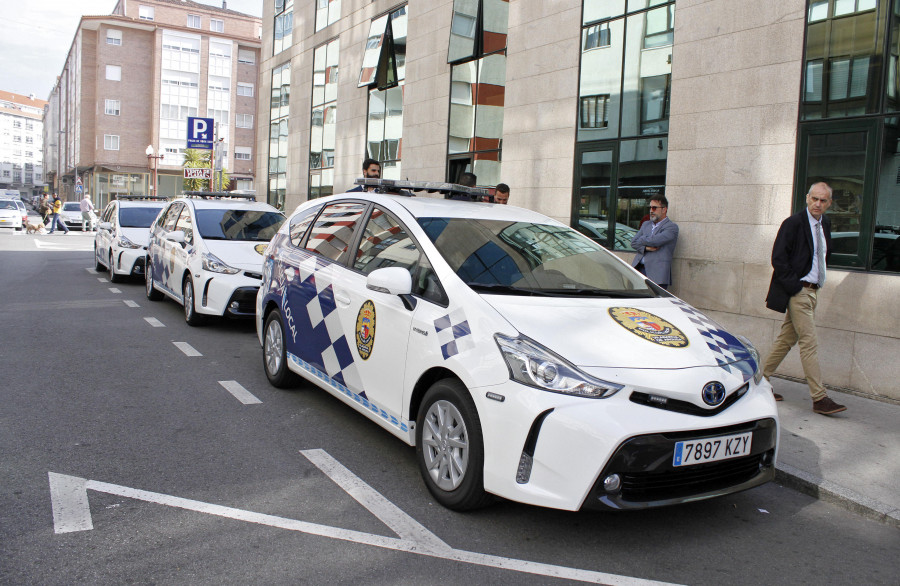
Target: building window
point(477, 54)
point(216, 25)
point(113, 107)
point(284, 25)
point(245, 89)
point(194, 21)
point(113, 36)
point(323, 119)
point(114, 72)
point(327, 12)
point(243, 120)
point(246, 56)
point(594, 111)
point(145, 12)
point(111, 142)
point(242, 153)
point(279, 113)
point(596, 36)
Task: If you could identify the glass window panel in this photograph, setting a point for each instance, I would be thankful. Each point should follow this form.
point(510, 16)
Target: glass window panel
point(333, 230)
point(372, 55)
point(840, 78)
point(660, 27)
point(462, 106)
point(813, 91)
point(859, 77)
point(385, 244)
point(601, 75)
point(595, 10)
point(646, 81)
point(398, 38)
point(885, 254)
point(593, 195)
point(463, 28)
point(489, 97)
point(634, 5)
point(318, 95)
point(818, 10)
point(641, 176)
point(495, 21)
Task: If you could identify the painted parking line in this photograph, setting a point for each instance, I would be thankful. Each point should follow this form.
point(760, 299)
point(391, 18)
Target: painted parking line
point(154, 322)
point(239, 392)
point(187, 349)
point(92, 271)
point(130, 303)
point(103, 279)
point(115, 290)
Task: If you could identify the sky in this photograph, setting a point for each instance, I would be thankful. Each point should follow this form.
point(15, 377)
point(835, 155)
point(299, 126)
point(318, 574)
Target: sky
point(37, 36)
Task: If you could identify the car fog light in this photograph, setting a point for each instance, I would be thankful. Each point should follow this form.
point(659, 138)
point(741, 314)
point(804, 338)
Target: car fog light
point(233, 306)
point(766, 459)
point(612, 483)
point(523, 474)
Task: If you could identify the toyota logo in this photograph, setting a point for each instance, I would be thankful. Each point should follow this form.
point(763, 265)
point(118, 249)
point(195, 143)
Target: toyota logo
point(713, 393)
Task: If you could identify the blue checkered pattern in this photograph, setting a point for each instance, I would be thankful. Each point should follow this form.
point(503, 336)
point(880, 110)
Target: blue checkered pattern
point(453, 333)
point(728, 351)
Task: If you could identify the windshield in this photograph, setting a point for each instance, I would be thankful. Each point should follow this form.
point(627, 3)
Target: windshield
point(256, 225)
point(72, 206)
point(137, 217)
point(8, 205)
point(521, 258)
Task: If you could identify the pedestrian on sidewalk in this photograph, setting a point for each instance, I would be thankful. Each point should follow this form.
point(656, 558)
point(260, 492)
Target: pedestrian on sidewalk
point(55, 219)
point(87, 210)
point(44, 208)
point(799, 259)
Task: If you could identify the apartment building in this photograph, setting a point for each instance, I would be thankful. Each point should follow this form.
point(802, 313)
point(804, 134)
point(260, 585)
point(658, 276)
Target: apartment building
point(21, 144)
point(587, 108)
point(131, 80)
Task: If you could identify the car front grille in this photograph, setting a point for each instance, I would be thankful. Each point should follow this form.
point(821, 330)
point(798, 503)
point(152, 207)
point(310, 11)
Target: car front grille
point(697, 479)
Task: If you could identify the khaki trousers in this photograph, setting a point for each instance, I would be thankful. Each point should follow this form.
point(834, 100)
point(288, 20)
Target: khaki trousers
point(799, 327)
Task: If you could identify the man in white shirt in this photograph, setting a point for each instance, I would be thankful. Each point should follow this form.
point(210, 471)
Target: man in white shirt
point(87, 211)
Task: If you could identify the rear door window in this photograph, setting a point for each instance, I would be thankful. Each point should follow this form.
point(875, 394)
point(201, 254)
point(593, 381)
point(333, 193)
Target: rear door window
point(332, 233)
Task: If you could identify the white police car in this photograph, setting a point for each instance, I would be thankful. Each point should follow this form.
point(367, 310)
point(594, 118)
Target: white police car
point(120, 244)
point(205, 252)
point(521, 358)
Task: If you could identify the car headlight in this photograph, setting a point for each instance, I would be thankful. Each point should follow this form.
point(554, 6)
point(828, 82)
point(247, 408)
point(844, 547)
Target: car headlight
point(533, 365)
point(126, 243)
point(757, 374)
point(212, 263)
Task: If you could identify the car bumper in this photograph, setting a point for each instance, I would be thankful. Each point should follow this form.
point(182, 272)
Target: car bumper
point(573, 444)
point(10, 223)
point(228, 295)
point(129, 261)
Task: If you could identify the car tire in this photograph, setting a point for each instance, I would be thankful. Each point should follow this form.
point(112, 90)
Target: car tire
point(98, 266)
point(113, 277)
point(150, 290)
point(275, 353)
point(450, 448)
point(190, 310)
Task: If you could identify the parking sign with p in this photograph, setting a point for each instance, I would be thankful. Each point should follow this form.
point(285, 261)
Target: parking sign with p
point(200, 133)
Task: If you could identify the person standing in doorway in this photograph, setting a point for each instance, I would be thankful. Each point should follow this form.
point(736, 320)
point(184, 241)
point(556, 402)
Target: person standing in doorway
point(371, 170)
point(56, 206)
point(87, 211)
point(799, 259)
point(655, 243)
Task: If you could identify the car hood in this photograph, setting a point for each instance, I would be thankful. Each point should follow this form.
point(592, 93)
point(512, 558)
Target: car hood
point(658, 333)
point(240, 254)
point(10, 213)
point(137, 235)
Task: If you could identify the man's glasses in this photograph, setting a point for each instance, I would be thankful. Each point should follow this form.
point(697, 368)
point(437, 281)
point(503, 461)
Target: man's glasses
point(654, 208)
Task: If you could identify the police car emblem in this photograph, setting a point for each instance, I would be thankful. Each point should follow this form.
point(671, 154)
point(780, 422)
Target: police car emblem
point(649, 327)
point(260, 248)
point(713, 393)
point(365, 330)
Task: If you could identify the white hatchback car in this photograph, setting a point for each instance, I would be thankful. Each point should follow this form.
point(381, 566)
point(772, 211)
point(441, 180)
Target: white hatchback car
point(10, 214)
point(120, 244)
point(521, 358)
point(205, 252)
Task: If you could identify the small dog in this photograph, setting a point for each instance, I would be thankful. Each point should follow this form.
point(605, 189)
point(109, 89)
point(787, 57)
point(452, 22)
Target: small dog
point(34, 228)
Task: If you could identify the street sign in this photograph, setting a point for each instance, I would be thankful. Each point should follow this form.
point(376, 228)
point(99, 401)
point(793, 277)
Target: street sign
point(79, 189)
point(200, 133)
point(197, 173)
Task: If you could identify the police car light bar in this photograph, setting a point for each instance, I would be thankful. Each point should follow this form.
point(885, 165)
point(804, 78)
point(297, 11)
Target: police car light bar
point(142, 197)
point(220, 195)
point(449, 190)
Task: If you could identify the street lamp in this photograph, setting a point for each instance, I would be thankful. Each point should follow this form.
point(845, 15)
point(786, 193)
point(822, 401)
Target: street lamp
point(152, 162)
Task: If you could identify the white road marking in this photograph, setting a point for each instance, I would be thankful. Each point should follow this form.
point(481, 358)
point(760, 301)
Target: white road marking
point(92, 271)
point(63, 244)
point(389, 513)
point(187, 349)
point(239, 392)
point(130, 303)
point(115, 290)
point(154, 322)
point(102, 279)
point(71, 512)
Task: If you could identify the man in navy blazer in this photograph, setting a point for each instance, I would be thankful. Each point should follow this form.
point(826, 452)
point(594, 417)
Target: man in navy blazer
point(799, 259)
point(655, 243)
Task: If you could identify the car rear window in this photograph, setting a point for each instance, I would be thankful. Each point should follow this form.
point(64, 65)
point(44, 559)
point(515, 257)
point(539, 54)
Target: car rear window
point(254, 225)
point(137, 217)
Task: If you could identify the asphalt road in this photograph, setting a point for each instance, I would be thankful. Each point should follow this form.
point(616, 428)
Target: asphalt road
point(125, 460)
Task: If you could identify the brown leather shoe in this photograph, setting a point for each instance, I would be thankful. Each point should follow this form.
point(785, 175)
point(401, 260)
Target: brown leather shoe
point(777, 396)
point(825, 406)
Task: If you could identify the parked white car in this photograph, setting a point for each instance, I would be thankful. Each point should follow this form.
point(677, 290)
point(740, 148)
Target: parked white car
point(123, 233)
point(71, 215)
point(520, 357)
point(10, 214)
point(205, 252)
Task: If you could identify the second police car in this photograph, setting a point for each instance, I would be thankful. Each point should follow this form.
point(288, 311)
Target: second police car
point(120, 244)
point(518, 356)
point(205, 252)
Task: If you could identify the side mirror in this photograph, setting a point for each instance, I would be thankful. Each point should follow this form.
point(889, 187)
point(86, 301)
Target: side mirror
point(391, 280)
point(105, 226)
point(176, 236)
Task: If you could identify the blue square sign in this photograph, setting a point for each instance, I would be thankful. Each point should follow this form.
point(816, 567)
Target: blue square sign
point(200, 133)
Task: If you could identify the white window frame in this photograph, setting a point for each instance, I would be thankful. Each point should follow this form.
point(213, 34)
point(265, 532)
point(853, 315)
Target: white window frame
point(110, 142)
point(246, 56)
point(145, 12)
point(243, 120)
point(114, 72)
point(243, 153)
point(217, 25)
point(113, 108)
point(194, 21)
point(113, 36)
point(243, 88)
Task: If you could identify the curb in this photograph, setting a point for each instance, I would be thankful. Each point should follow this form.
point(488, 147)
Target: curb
point(836, 494)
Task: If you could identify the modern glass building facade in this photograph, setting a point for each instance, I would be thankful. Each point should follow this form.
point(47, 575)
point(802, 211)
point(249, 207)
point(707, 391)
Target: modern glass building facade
point(589, 108)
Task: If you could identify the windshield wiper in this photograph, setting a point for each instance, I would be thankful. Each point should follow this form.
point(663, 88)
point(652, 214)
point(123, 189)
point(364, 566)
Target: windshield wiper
point(611, 293)
point(505, 289)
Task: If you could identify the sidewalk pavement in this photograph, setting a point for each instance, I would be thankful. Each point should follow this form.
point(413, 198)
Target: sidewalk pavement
point(851, 459)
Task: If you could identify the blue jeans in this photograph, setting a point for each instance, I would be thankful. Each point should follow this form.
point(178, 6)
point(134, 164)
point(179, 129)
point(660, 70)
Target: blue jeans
point(57, 220)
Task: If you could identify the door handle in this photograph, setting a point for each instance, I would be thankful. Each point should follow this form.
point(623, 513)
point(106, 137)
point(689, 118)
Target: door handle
point(342, 298)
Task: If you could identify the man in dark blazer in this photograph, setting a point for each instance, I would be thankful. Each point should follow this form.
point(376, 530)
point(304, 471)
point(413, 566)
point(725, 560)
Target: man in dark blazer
point(655, 243)
point(799, 259)
point(371, 170)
